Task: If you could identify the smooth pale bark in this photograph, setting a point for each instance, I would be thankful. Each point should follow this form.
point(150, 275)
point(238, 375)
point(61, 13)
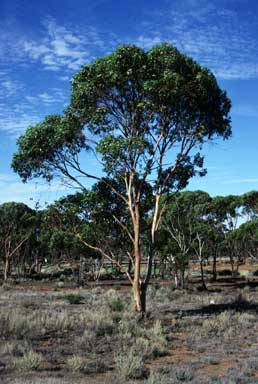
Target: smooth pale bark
point(7, 269)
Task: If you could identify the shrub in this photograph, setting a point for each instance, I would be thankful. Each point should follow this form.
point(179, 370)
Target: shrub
point(142, 347)
point(30, 360)
point(184, 374)
point(14, 348)
point(157, 378)
point(116, 305)
point(128, 363)
point(97, 365)
point(216, 325)
point(75, 363)
point(100, 322)
point(157, 339)
point(73, 298)
point(6, 286)
point(88, 339)
point(29, 303)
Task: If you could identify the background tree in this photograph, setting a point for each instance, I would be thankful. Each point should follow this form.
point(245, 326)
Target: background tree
point(246, 239)
point(250, 205)
point(226, 213)
point(184, 222)
point(16, 228)
point(146, 114)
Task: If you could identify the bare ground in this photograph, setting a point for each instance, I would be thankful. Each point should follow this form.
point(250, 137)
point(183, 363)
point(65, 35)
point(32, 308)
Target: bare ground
point(198, 337)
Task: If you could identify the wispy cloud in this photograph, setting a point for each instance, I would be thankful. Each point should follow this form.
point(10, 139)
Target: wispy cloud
point(63, 48)
point(245, 110)
point(53, 96)
point(241, 181)
point(9, 85)
point(12, 189)
point(15, 124)
point(216, 36)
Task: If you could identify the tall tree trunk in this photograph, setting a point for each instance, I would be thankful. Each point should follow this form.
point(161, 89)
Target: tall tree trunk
point(202, 276)
point(7, 268)
point(214, 270)
point(136, 280)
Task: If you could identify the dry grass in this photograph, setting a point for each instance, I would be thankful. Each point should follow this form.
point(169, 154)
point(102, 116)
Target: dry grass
point(184, 339)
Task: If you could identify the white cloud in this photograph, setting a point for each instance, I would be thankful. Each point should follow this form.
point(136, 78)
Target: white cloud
point(216, 36)
point(64, 78)
point(148, 42)
point(53, 96)
point(14, 123)
point(62, 48)
point(12, 189)
point(241, 181)
point(9, 85)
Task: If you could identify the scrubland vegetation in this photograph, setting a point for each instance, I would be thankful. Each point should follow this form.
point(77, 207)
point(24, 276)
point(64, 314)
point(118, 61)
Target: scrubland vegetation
point(185, 338)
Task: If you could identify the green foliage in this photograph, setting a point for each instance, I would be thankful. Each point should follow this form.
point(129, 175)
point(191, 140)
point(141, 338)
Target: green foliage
point(73, 298)
point(116, 305)
point(128, 96)
point(18, 225)
point(42, 144)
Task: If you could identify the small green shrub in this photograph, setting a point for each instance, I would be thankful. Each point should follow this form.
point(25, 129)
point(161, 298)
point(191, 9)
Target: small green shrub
point(116, 305)
point(73, 298)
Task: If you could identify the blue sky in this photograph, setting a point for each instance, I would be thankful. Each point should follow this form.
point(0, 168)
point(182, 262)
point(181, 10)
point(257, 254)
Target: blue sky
point(43, 43)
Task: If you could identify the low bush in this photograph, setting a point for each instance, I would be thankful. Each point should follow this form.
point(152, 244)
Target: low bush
point(184, 374)
point(30, 360)
point(73, 298)
point(129, 364)
point(156, 377)
point(116, 305)
point(75, 363)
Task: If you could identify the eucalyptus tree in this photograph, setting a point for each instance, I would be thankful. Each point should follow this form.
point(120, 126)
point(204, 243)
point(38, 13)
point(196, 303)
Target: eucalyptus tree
point(200, 245)
point(184, 222)
point(59, 222)
point(250, 205)
point(246, 239)
point(145, 115)
point(223, 213)
point(16, 228)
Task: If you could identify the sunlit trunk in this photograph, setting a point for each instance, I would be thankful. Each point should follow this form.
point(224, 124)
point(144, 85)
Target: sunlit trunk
point(7, 268)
